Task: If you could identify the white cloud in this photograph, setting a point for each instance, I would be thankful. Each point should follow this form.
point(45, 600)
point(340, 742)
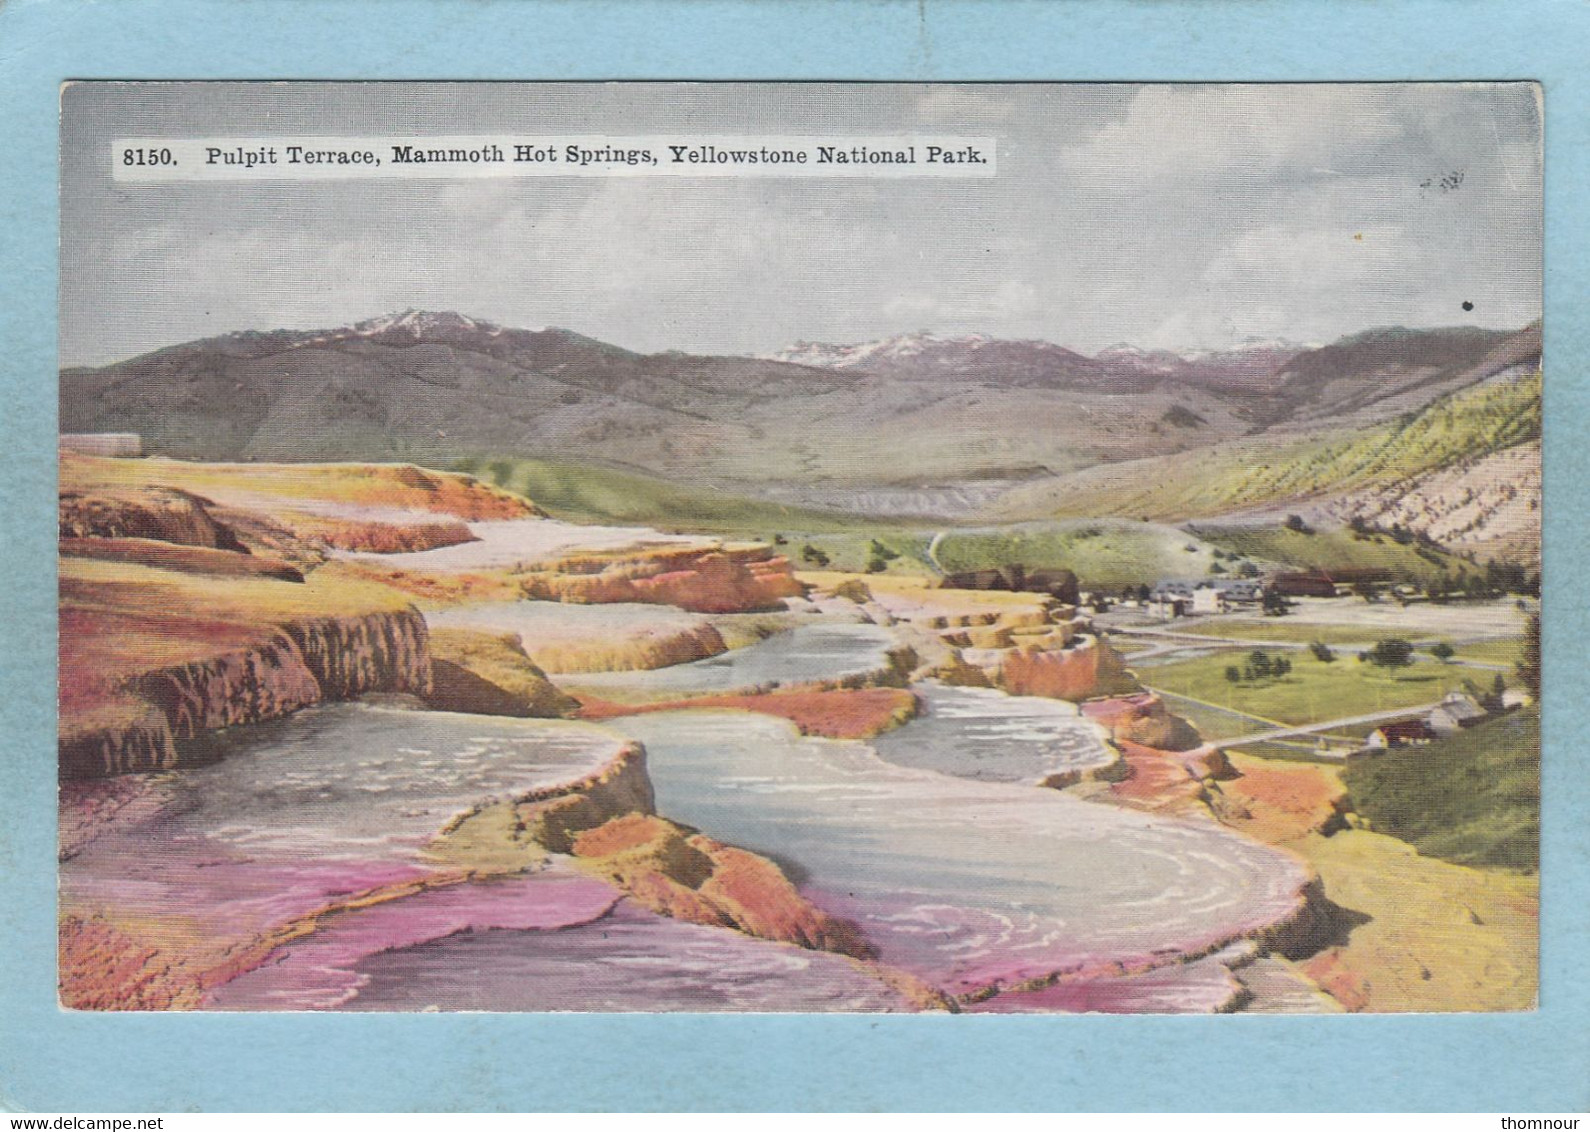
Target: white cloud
point(1281, 260)
point(1171, 215)
point(1239, 131)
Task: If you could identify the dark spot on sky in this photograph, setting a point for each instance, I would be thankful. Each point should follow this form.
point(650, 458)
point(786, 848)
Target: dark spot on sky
point(1468, 306)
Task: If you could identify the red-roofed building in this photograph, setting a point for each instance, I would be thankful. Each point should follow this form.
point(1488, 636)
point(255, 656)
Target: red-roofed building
point(1400, 733)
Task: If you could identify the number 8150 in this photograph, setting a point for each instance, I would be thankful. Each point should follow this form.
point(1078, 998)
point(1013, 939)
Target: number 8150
point(147, 157)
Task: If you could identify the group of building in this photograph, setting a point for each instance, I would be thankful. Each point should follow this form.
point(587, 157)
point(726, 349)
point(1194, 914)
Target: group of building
point(1455, 712)
point(1173, 597)
point(1182, 597)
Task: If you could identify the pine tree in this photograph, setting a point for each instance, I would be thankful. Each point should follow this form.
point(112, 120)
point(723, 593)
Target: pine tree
point(1529, 664)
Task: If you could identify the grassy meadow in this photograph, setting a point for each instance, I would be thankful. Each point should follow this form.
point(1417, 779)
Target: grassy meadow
point(1505, 650)
point(1277, 629)
point(1314, 691)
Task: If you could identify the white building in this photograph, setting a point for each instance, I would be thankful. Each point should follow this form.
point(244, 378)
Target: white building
point(1455, 712)
point(102, 443)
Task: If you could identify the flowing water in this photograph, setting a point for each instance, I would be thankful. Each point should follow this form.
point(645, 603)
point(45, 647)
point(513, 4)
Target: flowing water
point(936, 843)
point(319, 808)
point(502, 544)
point(339, 800)
point(803, 655)
point(631, 959)
point(985, 734)
point(968, 884)
point(324, 804)
point(564, 622)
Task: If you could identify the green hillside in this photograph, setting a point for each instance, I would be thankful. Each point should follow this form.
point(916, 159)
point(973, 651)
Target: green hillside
point(1338, 549)
point(1473, 799)
point(1459, 428)
point(590, 493)
point(1101, 552)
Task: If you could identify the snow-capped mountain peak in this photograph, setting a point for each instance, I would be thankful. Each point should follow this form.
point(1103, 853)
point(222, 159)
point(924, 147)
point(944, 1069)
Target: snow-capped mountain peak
point(411, 324)
point(899, 348)
point(420, 323)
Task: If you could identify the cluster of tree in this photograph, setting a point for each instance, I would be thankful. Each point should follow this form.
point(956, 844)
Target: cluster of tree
point(879, 557)
point(1490, 700)
point(1369, 591)
point(1498, 579)
point(1393, 652)
point(1297, 524)
point(1260, 665)
point(1225, 561)
point(1511, 577)
point(813, 556)
point(1322, 652)
point(1362, 529)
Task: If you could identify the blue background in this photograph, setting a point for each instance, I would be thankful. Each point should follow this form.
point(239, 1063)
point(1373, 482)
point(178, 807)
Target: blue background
point(52, 1060)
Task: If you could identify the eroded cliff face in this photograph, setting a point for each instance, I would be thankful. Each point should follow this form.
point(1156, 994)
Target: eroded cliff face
point(489, 674)
point(1090, 668)
point(630, 652)
point(373, 652)
point(1144, 719)
point(117, 735)
point(184, 559)
point(131, 724)
point(691, 877)
point(163, 513)
point(244, 686)
point(377, 536)
point(720, 580)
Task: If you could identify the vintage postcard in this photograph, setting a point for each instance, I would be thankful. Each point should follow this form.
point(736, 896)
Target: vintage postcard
point(822, 547)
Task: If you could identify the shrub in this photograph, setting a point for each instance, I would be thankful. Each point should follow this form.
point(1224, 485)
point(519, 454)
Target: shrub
point(1393, 652)
point(853, 589)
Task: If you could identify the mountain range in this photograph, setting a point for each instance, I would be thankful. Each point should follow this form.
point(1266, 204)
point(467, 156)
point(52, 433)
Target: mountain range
point(812, 423)
point(927, 356)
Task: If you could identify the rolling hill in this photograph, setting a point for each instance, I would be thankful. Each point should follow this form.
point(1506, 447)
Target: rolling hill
point(1463, 469)
point(917, 427)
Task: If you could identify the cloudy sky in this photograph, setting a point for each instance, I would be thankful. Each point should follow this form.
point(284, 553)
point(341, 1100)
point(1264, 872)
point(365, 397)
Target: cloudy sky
point(1175, 216)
